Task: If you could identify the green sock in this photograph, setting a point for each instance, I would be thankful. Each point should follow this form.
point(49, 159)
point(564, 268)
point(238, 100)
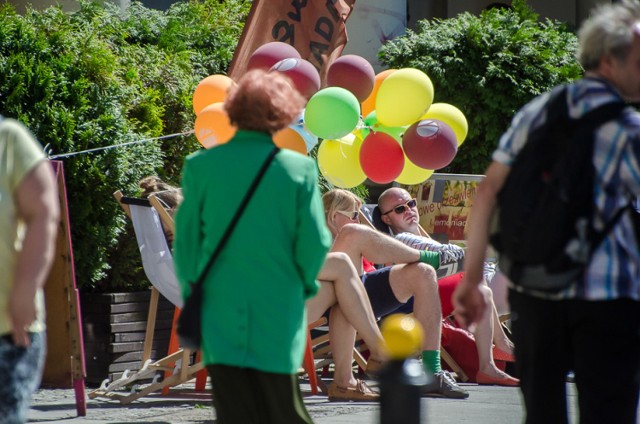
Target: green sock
point(431, 361)
point(430, 258)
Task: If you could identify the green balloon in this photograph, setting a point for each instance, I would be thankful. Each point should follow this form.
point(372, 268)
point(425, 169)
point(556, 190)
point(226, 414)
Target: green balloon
point(332, 113)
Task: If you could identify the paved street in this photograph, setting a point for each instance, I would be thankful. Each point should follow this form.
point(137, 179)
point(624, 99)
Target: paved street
point(486, 405)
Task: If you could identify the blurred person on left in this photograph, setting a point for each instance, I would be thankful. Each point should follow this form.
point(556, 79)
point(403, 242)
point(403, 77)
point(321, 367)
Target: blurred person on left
point(29, 217)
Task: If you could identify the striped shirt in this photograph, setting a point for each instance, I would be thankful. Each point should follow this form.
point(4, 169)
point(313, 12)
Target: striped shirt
point(614, 271)
point(451, 255)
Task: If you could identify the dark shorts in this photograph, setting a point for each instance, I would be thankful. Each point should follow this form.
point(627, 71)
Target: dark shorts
point(381, 296)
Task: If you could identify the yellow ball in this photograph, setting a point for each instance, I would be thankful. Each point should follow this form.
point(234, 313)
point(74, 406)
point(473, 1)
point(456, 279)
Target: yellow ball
point(403, 335)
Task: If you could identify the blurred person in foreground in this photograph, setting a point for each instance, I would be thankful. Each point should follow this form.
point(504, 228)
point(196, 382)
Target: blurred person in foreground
point(29, 217)
point(597, 319)
point(254, 319)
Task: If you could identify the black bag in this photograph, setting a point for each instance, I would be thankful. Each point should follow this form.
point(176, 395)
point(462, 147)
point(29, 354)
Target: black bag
point(544, 234)
point(189, 326)
point(190, 320)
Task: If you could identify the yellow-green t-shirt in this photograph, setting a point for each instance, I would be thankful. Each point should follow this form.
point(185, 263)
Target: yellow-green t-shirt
point(19, 154)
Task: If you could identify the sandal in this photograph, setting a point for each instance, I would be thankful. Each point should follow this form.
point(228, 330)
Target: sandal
point(360, 393)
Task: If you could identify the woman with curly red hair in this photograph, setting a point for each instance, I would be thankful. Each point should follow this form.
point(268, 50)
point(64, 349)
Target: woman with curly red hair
point(254, 319)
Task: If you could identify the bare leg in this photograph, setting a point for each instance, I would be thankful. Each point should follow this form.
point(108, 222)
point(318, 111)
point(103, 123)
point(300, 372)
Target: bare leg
point(500, 338)
point(342, 337)
point(419, 280)
point(484, 335)
point(343, 291)
point(499, 286)
point(357, 240)
point(341, 285)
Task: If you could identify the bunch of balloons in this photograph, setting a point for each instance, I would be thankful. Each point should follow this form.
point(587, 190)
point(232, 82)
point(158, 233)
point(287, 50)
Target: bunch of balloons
point(403, 137)
point(384, 127)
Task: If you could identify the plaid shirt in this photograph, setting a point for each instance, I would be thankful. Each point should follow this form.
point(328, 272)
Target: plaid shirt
point(614, 271)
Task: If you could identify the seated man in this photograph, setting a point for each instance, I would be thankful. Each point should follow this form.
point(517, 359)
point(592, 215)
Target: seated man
point(399, 211)
point(387, 288)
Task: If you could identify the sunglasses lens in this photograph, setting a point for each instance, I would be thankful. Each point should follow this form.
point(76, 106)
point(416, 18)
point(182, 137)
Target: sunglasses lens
point(355, 215)
point(400, 209)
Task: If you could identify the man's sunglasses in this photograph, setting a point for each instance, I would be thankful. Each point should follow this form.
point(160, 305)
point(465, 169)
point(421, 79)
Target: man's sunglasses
point(400, 209)
point(351, 215)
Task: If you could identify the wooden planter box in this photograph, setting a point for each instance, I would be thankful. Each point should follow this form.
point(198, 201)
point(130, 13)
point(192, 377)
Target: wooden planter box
point(114, 326)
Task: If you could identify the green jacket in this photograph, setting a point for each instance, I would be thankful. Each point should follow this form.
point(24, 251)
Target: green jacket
point(253, 311)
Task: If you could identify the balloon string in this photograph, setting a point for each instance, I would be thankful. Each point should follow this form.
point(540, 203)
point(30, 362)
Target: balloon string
point(113, 146)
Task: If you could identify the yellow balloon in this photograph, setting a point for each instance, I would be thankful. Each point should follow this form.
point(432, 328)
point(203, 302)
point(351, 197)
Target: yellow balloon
point(288, 138)
point(412, 174)
point(451, 116)
point(403, 97)
point(212, 126)
point(340, 163)
point(403, 335)
point(212, 89)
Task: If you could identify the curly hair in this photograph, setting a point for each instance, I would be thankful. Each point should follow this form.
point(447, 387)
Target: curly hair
point(263, 101)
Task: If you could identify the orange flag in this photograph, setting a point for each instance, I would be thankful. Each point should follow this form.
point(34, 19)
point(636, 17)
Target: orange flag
point(316, 28)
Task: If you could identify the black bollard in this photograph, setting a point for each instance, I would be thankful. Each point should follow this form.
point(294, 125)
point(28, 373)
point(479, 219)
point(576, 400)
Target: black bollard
point(403, 379)
point(401, 384)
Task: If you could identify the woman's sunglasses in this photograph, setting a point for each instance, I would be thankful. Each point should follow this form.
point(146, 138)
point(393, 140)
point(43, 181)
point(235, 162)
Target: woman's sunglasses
point(349, 214)
point(401, 208)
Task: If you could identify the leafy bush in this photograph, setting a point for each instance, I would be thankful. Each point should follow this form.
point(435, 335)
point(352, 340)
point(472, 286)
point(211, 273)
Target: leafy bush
point(488, 66)
point(100, 77)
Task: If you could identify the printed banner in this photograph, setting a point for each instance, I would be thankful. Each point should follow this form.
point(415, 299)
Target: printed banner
point(444, 203)
point(317, 29)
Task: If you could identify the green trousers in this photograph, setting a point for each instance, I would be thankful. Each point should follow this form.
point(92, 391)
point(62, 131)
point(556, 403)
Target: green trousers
point(249, 396)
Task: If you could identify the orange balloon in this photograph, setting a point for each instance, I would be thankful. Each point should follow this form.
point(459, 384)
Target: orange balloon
point(212, 126)
point(289, 138)
point(212, 89)
point(369, 103)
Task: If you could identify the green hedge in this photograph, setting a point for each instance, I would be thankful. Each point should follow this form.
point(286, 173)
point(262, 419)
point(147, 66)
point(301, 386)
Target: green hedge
point(99, 77)
point(488, 66)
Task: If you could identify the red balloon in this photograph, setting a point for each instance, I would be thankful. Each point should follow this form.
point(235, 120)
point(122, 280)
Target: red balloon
point(430, 144)
point(269, 54)
point(302, 73)
point(353, 73)
point(381, 157)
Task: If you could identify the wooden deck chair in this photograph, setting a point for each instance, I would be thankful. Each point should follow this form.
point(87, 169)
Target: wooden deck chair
point(158, 266)
point(367, 217)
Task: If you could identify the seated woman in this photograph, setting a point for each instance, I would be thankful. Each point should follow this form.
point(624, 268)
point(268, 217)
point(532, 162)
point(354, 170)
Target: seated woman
point(342, 292)
point(340, 202)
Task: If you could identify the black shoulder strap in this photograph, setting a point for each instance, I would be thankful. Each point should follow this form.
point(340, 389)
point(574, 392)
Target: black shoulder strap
point(239, 211)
